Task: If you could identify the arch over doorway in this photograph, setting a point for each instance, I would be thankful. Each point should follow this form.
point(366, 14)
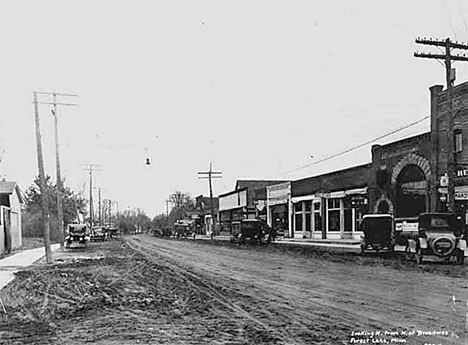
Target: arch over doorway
point(415, 159)
point(411, 184)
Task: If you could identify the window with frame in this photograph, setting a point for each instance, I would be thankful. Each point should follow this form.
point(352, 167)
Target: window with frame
point(298, 216)
point(333, 214)
point(458, 140)
point(317, 217)
point(308, 215)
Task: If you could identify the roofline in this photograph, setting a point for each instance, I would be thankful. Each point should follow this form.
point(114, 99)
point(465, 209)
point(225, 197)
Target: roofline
point(366, 165)
point(232, 192)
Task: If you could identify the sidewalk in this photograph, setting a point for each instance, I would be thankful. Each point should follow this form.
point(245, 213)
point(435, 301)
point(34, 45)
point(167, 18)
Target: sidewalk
point(18, 261)
point(339, 244)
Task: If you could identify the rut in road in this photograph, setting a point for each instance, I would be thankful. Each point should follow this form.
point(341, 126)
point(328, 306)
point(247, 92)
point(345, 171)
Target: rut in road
point(206, 288)
point(322, 296)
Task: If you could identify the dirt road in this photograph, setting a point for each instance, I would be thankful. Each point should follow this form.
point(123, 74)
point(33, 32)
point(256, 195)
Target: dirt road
point(145, 290)
point(312, 300)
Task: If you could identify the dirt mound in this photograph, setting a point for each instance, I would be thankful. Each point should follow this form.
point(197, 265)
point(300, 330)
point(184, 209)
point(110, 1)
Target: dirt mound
point(116, 297)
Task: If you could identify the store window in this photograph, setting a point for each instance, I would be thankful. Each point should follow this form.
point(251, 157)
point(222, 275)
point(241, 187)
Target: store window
point(317, 217)
point(333, 214)
point(308, 215)
point(458, 136)
point(298, 216)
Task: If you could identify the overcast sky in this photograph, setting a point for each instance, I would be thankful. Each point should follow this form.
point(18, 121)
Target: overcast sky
point(256, 87)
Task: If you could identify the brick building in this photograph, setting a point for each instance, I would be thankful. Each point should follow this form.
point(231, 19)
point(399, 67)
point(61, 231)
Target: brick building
point(439, 139)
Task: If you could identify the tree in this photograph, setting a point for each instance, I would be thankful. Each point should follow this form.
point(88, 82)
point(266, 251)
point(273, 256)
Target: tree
point(133, 221)
point(182, 206)
point(73, 205)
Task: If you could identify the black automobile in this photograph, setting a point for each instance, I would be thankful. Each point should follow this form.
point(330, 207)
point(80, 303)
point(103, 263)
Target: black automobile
point(441, 236)
point(378, 232)
point(250, 230)
point(78, 233)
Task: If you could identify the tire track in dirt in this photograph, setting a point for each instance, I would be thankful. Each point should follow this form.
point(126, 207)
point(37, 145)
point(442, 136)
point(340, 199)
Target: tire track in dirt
point(204, 287)
point(316, 301)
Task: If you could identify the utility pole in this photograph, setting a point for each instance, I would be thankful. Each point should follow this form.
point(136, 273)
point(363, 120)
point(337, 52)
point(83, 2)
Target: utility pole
point(210, 175)
point(57, 158)
point(91, 168)
point(450, 77)
point(42, 184)
point(100, 208)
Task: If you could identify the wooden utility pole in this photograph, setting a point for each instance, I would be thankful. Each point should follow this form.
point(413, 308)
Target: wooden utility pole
point(91, 168)
point(57, 159)
point(210, 175)
point(100, 208)
point(450, 77)
point(42, 184)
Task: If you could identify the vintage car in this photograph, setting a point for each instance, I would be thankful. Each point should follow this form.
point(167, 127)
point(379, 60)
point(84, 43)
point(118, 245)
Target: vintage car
point(183, 229)
point(378, 232)
point(99, 234)
point(77, 233)
point(249, 230)
point(441, 236)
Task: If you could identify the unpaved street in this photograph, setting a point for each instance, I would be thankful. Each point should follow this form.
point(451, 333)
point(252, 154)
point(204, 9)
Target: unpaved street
point(146, 290)
point(310, 300)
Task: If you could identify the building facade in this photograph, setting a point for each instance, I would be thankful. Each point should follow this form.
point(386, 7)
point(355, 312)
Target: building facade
point(440, 142)
point(11, 201)
point(401, 177)
point(330, 206)
point(246, 201)
point(279, 207)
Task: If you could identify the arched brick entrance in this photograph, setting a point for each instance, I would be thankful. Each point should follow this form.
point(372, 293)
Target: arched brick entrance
point(410, 181)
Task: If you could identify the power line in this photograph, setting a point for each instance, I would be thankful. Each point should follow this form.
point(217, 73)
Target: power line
point(354, 147)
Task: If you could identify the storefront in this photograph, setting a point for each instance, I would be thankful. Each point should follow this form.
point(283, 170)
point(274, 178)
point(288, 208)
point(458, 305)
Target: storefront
point(334, 215)
point(331, 206)
point(232, 208)
point(278, 207)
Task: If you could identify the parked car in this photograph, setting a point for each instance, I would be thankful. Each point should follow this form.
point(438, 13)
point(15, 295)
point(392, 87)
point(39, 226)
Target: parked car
point(249, 230)
point(99, 234)
point(78, 233)
point(440, 235)
point(378, 232)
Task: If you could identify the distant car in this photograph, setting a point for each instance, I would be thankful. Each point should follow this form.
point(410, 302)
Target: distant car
point(440, 235)
point(249, 230)
point(378, 232)
point(99, 234)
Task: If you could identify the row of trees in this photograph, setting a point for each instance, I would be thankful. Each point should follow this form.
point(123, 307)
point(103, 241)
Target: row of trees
point(75, 206)
point(183, 205)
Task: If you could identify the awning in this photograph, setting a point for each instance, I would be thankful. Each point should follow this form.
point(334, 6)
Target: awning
point(304, 198)
point(357, 191)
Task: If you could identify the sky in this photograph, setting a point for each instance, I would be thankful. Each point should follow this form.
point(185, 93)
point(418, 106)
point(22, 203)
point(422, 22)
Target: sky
point(258, 88)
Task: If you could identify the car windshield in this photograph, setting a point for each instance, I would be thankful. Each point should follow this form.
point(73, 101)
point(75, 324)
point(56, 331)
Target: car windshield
point(438, 222)
point(377, 224)
point(250, 225)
